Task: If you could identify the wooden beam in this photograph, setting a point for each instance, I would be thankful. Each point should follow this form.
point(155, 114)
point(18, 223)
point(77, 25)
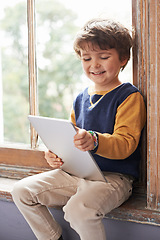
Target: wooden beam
point(32, 67)
point(146, 69)
point(23, 157)
point(154, 106)
point(140, 69)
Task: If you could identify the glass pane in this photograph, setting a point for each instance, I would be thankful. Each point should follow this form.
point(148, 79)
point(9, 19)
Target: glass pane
point(14, 107)
point(60, 75)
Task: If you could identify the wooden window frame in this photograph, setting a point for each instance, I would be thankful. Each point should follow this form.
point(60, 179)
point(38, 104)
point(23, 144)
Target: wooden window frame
point(18, 162)
point(146, 70)
point(32, 67)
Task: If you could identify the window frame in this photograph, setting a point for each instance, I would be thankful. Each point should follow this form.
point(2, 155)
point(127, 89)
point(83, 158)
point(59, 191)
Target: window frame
point(32, 67)
point(18, 162)
point(146, 18)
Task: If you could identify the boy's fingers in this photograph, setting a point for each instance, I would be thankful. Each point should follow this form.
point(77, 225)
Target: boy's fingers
point(52, 154)
point(80, 134)
point(59, 159)
point(76, 128)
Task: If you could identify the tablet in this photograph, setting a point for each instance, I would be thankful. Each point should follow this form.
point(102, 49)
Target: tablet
point(57, 135)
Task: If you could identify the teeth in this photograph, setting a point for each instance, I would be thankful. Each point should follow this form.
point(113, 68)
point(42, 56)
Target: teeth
point(97, 73)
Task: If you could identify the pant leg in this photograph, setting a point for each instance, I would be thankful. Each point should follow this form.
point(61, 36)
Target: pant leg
point(92, 201)
point(33, 194)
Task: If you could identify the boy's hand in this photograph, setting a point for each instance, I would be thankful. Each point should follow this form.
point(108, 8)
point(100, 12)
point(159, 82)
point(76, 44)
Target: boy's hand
point(83, 140)
point(53, 160)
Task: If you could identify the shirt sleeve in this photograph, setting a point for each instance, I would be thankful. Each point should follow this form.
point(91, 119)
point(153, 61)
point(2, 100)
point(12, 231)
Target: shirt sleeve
point(72, 117)
point(129, 122)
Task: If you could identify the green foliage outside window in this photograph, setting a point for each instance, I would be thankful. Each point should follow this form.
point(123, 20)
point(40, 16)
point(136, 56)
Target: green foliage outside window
point(59, 70)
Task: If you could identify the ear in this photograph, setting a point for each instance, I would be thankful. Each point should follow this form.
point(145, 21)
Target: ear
point(124, 61)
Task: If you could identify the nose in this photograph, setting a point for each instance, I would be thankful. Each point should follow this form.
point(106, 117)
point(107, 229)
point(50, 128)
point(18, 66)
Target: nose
point(96, 64)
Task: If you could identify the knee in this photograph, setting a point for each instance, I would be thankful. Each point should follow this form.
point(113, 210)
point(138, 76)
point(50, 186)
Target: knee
point(78, 213)
point(19, 191)
point(73, 213)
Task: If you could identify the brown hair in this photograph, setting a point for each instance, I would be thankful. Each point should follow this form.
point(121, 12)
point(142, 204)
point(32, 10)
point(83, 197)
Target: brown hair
point(106, 34)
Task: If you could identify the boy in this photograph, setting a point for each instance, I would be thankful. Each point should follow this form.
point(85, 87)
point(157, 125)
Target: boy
point(109, 117)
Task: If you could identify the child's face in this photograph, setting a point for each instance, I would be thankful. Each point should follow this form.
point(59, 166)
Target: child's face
point(101, 66)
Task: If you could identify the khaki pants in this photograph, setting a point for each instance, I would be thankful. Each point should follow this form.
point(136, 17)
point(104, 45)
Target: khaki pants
point(84, 202)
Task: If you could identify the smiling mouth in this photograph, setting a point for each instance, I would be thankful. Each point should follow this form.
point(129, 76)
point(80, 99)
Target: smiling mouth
point(97, 73)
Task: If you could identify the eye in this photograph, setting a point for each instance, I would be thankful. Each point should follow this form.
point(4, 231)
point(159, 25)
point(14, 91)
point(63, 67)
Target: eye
point(104, 58)
point(86, 59)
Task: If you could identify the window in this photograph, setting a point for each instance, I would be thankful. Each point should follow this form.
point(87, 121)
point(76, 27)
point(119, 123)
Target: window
point(145, 76)
point(55, 72)
point(52, 28)
point(13, 78)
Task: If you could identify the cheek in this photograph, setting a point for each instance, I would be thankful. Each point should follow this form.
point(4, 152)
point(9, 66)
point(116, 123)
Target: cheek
point(85, 68)
point(114, 67)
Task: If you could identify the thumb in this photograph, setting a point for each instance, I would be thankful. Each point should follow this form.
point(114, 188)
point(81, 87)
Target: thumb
point(77, 128)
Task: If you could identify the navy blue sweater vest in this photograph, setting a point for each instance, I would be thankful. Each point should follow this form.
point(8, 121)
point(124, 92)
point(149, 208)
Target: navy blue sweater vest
point(101, 118)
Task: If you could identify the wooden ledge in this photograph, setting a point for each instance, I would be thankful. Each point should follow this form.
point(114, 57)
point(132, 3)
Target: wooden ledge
point(134, 210)
point(6, 186)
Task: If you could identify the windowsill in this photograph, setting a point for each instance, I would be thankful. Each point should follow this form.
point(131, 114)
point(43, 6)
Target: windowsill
point(22, 146)
point(134, 210)
point(6, 186)
point(22, 157)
